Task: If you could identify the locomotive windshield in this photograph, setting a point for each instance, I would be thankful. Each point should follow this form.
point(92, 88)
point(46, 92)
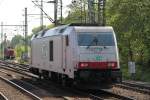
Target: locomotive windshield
point(95, 39)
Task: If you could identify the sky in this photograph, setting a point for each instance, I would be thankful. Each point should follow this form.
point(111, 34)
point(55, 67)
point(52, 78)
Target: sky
point(12, 11)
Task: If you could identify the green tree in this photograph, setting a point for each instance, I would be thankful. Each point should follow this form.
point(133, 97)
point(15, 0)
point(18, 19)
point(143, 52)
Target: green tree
point(37, 29)
point(131, 21)
point(17, 39)
point(77, 12)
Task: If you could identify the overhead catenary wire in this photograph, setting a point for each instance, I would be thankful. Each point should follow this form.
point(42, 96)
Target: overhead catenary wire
point(50, 19)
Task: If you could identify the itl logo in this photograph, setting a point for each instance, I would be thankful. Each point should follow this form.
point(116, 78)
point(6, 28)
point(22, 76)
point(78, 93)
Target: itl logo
point(98, 58)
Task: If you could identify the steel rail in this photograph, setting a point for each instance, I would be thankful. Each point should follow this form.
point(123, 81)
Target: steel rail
point(2, 96)
point(110, 94)
point(18, 71)
point(5, 72)
point(133, 88)
point(64, 97)
point(19, 66)
point(94, 97)
point(33, 96)
point(134, 84)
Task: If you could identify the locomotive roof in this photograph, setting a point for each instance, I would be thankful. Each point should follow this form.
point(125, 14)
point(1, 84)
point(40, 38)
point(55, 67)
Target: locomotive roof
point(60, 30)
point(51, 32)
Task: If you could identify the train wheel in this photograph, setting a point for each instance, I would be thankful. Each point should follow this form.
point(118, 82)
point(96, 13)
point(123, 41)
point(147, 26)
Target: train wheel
point(66, 81)
point(69, 82)
point(40, 76)
point(119, 79)
point(63, 82)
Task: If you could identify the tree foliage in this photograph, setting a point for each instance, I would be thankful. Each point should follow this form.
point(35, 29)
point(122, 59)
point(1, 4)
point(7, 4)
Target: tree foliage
point(19, 50)
point(77, 12)
point(16, 40)
point(37, 29)
point(131, 21)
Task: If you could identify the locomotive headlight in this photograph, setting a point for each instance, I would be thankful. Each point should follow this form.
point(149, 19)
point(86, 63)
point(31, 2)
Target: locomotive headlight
point(111, 65)
point(84, 65)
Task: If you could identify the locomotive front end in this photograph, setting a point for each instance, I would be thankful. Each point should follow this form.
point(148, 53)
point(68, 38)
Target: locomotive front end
point(98, 60)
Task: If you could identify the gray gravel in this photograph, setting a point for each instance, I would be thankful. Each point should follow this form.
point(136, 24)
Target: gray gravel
point(130, 93)
point(39, 92)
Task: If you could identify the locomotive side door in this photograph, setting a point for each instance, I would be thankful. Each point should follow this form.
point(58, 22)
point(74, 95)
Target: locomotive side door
point(69, 55)
point(66, 56)
point(64, 52)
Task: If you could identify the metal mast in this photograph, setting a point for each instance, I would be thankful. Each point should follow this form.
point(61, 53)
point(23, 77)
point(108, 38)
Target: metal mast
point(2, 40)
point(5, 42)
point(101, 12)
point(84, 5)
point(55, 12)
point(61, 9)
point(91, 11)
point(59, 12)
point(81, 11)
point(41, 22)
point(26, 32)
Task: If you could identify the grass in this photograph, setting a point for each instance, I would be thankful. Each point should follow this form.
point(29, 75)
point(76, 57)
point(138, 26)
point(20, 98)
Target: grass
point(139, 75)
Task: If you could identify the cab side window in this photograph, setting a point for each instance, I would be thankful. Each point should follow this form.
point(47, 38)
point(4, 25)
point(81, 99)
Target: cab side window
point(67, 40)
point(51, 51)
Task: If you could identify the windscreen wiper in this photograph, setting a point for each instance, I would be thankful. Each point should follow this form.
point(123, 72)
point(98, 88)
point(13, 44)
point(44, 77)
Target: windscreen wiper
point(95, 40)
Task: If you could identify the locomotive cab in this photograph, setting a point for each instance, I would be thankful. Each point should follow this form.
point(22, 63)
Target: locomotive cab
point(98, 60)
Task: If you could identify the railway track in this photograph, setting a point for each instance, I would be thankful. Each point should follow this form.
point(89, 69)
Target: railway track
point(132, 92)
point(56, 92)
point(2, 96)
point(17, 90)
point(43, 94)
point(10, 67)
point(143, 86)
point(16, 66)
point(23, 66)
point(104, 94)
point(134, 88)
point(99, 95)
